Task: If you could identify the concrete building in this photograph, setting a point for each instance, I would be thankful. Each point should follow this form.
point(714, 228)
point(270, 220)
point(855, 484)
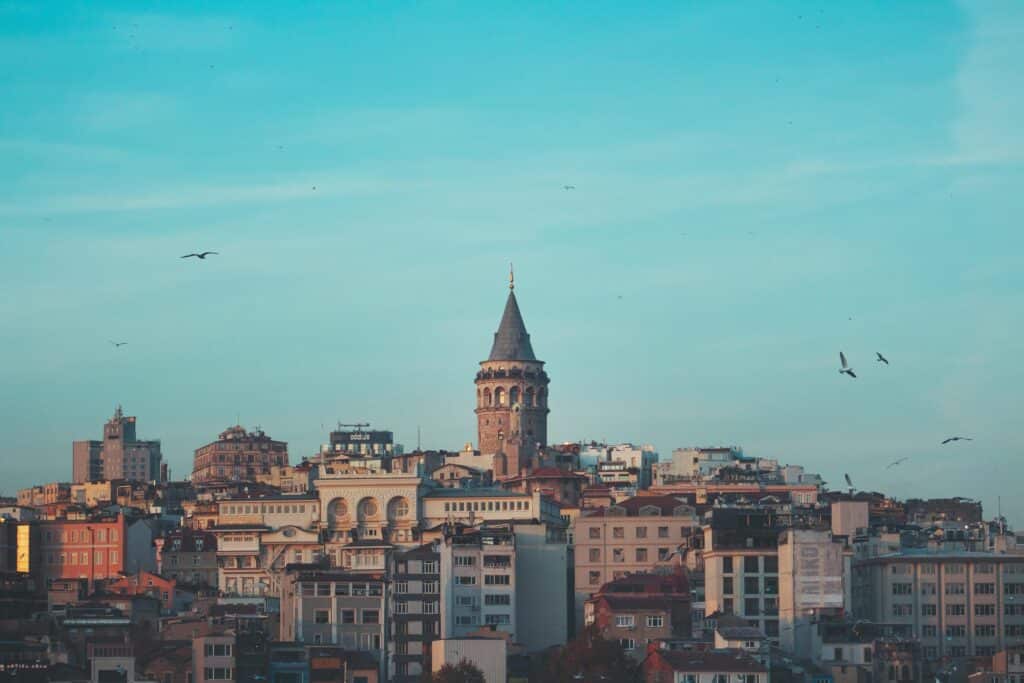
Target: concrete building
point(741, 567)
point(120, 455)
point(238, 455)
point(328, 607)
point(361, 443)
point(511, 396)
point(487, 654)
point(631, 537)
point(702, 666)
point(478, 505)
point(957, 605)
point(189, 557)
point(95, 548)
point(415, 610)
point(814, 581)
point(478, 581)
point(641, 609)
point(213, 657)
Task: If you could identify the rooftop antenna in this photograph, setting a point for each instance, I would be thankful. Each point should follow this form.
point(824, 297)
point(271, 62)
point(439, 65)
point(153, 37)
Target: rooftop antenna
point(419, 447)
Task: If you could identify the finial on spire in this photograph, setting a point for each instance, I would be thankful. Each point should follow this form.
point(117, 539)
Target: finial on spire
point(511, 277)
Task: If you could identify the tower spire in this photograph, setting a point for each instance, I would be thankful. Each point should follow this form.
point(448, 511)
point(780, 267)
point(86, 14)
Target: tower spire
point(511, 277)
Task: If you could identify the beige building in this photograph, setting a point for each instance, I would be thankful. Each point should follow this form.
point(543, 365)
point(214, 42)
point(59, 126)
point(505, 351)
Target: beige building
point(213, 657)
point(957, 604)
point(813, 582)
point(486, 654)
point(631, 537)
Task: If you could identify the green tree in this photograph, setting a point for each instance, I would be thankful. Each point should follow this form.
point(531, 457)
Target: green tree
point(588, 658)
point(463, 672)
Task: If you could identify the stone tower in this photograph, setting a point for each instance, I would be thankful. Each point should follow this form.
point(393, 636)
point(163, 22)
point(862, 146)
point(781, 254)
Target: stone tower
point(511, 395)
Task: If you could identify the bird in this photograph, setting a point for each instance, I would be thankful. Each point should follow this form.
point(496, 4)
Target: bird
point(846, 369)
point(117, 344)
point(848, 482)
point(568, 187)
point(881, 358)
point(956, 438)
point(201, 256)
point(895, 462)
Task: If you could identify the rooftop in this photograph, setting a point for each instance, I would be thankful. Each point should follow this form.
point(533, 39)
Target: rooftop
point(717, 661)
point(474, 492)
point(511, 341)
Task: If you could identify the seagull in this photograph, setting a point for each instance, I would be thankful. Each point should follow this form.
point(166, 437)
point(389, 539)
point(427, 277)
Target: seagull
point(117, 344)
point(846, 369)
point(956, 438)
point(881, 358)
point(201, 256)
point(568, 187)
point(896, 462)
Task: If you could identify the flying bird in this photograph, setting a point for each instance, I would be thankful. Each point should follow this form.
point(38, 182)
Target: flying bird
point(881, 358)
point(848, 482)
point(895, 462)
point(568, 187)
point(117, 344)
point(956, 438)
point(846, 369)
point(200, 256)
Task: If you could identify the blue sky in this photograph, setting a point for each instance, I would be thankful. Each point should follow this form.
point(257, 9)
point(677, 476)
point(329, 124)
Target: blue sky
point(750, 176)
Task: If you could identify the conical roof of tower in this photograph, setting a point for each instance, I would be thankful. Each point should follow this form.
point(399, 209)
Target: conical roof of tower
point(511, 341)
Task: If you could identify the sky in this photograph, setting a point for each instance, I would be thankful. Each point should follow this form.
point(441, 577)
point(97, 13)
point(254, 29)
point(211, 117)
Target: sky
point(758, 185)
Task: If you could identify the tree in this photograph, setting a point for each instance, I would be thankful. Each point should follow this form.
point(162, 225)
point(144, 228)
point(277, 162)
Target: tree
point(463, 672)
point(588, 658)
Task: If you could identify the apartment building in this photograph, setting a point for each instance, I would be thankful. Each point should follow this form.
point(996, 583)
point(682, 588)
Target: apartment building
point(641, 609)
point(188, 556)
point(479, 505)
point(333, 607)
point(814, 577)
point(478, 581)
point(957, 604)
point(741, 567)
point(213, 657)
point(415, 610)
point(630, 537)
point(238, 455)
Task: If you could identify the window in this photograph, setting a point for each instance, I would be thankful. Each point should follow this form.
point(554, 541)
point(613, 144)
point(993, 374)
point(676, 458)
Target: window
point(727, 585)
point(618, 532)
point(497, 580)
point(465, 620)
point(662, 554)
point(752, 607)
point(955, 610)
point(627, 643)
point(323, 589)
point(594, 578)
point(771, 585)
point(930, 631)
point(401, 607)
point(595, 532)
point(984, 589)
point(956, 631)
point(465, 580)
point(928, 569)
point(751, 585)
point(215, 650)
point(1014, 588)
point(954, 568)
point(929, 610)
point(641, 532)
point(348, 616)
point(641, 554)
point(401, 587)
point(625, 621)
point(430, 568)
point(497, 619)
point(1014, 630)
point(902, 610)
point(928, 588)
point(751, 564)
point(902, 588)
point(430, 586)
point(430, 607)
point(498, 599)
point(662, 532)
point(322, 616)
point(655, 622)
point(465, 561)
point(216, 673)
point(985, 630)
point(371, 616)
point(99, 557)
point(341, 589)
point(954, 589)
point(595, 555)
point(1013, 610)
point(771, 564)
point(984, 610)
point(727, 565)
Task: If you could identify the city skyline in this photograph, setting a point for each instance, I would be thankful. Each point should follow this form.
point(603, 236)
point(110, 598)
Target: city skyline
point(694, 288)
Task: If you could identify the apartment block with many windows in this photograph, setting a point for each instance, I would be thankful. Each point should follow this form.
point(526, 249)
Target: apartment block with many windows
point(478, 581)
point(415, 610)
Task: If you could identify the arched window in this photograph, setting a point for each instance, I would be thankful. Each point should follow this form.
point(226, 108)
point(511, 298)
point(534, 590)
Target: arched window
point(528, 397)
point(337, 511)
point(368, 509)
point(541, 397)
point(487, 397)
point(513, 396)
point(398, 508)
point(499, 397)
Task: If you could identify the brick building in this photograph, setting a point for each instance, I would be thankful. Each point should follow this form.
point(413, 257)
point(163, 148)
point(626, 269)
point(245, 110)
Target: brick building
point(641, 609)
point(238, 455)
